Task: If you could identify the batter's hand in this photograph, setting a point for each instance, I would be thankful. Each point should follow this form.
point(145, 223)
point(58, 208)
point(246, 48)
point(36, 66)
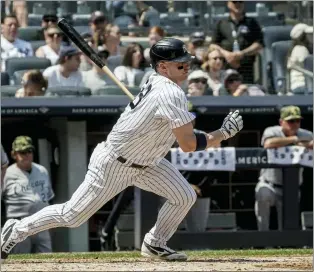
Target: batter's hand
point(231, 125)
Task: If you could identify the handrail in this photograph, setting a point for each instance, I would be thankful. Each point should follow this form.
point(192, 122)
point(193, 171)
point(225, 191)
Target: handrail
point(302, 70)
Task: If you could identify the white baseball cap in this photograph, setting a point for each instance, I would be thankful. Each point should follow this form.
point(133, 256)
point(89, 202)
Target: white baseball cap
point(197, 74)
point(299, 29)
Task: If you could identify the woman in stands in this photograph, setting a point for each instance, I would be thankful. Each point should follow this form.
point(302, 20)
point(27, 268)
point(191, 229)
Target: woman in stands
point(213, 62)
point(301, 48)
point(34, 84)
point(51, 50)
point(156, 33)
point(132, 67)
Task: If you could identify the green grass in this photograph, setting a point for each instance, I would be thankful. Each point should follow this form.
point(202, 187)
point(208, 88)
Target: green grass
point(192, 254)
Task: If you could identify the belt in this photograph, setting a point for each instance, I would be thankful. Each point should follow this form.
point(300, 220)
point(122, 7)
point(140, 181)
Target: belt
point(274, 184)
point(134, 165)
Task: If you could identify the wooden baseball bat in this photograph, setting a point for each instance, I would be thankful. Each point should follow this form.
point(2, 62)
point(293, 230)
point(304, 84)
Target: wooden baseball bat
point(77, 39)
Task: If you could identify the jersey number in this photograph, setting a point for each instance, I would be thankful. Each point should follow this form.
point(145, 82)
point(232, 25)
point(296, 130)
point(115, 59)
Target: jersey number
point(144, 91)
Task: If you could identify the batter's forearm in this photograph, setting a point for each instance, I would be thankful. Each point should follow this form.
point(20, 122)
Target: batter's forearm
point(214, 138)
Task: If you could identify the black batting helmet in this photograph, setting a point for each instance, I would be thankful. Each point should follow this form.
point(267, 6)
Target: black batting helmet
point(169, 49)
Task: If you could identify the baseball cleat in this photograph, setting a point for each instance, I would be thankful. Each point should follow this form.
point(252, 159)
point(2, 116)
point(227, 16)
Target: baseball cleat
point(162, 253)
point(7, 242)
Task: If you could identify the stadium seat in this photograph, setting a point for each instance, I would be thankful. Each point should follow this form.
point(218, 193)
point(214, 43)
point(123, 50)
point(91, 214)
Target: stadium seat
point(82, 29)
point(31, 33)
point(138, 78)
point(67, 91)
point(123, 21)
point(307, 220)
point(36, 44)
point(279, 64)
point(272, 34)
point(114, 61)
point(5, 78)
point(27, 63)
point(9, 90)
point(308, 65)
point(34, 19)
point(115, 90)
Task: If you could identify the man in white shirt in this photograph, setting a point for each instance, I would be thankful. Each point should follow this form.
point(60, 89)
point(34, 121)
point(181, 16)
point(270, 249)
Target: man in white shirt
point(95, 78)
point(66, 73)
point(11, 46)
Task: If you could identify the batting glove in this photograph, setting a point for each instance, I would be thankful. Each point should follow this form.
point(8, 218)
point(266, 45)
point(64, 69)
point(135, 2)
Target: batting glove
point(231, 125)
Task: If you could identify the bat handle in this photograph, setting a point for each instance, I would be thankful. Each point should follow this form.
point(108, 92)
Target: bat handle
point(114, 78)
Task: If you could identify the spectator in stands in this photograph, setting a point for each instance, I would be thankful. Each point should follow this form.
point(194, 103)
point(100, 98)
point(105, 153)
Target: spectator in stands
point(197, 83)
point(148, 16)
point(51, 51)
point(11, 46)
point(133, 64)
point(113, 40)
point(213, 62)
point(268, 191)
point(27, 189)
point(86, 63)
point(66, 73)
point(95, 78)
point(239, 39)
point(233, 85)
point(197, 49)
point(34, 84)
point(49, 20)
point(156, 33)
point(301, 48)
point(98, 23)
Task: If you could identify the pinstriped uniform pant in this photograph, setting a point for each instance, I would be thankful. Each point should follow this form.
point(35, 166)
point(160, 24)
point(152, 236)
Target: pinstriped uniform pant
point(105, 178)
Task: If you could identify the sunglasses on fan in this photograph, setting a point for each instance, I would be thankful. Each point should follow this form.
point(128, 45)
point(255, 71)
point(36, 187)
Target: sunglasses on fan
point(199, 80)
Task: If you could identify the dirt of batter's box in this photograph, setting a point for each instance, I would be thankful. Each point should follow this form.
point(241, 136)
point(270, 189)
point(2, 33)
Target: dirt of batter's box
point(303, 263)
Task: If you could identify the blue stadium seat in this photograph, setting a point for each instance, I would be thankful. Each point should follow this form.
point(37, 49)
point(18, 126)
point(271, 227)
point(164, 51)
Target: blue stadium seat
point(9, 90)
point(31, 33)
point(114, 61)
point(279, 63)
point(36, 44)
point(5, 78)
point(272, 34)
point(308, 65)
point(27, 63)
point(67, 91)
point(116, 90)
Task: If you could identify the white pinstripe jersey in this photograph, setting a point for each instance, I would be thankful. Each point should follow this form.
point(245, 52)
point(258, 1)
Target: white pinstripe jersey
point(143, 133)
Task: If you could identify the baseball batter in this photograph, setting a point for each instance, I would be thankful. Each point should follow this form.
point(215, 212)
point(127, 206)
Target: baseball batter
point(133, 155)
point(26, 190)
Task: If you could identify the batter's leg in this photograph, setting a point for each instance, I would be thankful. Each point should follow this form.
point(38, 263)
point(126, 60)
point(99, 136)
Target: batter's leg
point(265, 199)
point(105, 178)
point(165, 180)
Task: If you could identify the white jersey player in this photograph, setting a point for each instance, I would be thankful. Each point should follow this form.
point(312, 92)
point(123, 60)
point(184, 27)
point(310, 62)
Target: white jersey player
point(133, 155)
point(26, 190)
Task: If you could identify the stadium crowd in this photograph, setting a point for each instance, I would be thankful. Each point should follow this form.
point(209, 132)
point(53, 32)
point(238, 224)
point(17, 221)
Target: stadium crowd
point(224, 64)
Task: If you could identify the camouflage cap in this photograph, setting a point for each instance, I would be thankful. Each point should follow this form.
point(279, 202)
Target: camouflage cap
point(290, 113)
point(22, 143)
